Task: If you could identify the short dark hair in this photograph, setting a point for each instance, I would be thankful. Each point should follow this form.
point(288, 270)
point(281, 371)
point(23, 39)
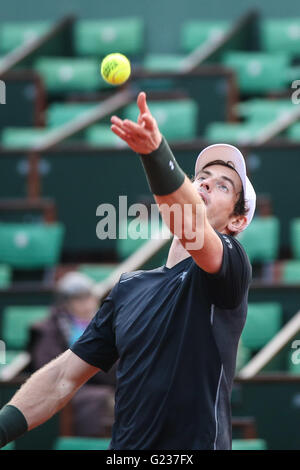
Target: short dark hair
point(240, 207)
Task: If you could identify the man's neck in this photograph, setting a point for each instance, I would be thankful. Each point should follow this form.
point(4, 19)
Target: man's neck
point(176, 253)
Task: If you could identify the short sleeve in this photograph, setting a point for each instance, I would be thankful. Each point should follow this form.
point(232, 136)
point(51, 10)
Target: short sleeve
point(96, 345)
point(228, 287)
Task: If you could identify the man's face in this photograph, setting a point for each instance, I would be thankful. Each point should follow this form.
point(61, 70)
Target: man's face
point(83, 307)
point(219, 187)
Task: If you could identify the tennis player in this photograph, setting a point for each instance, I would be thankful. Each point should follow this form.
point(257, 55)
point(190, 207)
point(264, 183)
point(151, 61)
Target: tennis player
point(174, 329)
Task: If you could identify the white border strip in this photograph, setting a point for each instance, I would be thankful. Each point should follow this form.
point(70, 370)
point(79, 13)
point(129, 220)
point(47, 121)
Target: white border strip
point(212, 311)
point(216, 408)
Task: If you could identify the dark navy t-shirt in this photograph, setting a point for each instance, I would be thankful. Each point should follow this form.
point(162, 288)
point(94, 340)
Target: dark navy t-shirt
point(175, 332)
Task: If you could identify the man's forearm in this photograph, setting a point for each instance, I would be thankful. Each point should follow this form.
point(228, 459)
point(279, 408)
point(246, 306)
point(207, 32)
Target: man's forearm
point(181, 206)
point(43, 394)
point(164, 175)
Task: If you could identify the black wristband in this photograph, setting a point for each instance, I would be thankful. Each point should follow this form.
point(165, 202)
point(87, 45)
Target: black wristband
point(12, 424)
point(164, 175)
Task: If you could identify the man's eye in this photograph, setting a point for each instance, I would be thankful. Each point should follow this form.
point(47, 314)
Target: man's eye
point(223, 187)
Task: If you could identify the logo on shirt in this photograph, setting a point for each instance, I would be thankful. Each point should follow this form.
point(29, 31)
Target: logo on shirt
point(182, 276)
point(227, 241)
point(171, 165)
point(129, 278)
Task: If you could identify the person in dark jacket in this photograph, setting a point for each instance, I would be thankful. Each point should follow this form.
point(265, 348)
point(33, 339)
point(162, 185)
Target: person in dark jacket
point(75, 306)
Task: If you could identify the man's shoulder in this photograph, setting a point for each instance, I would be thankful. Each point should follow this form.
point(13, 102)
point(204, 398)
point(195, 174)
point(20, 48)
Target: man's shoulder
point(235, 256)
point(233, 243)
point(130, 275)
point(136, 274)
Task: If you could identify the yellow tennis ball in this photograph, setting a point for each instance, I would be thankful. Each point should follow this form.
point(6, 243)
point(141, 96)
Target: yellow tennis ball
point(115, 69)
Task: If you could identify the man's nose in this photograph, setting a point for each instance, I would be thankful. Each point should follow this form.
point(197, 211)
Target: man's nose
point(206, 184)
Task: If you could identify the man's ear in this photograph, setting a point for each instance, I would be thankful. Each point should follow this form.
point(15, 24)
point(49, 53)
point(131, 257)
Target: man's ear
point(237, 223)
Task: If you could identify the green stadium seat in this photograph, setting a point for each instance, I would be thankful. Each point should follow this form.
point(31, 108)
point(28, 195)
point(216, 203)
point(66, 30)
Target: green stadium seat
point(9, 446)
point(260, 110)
point(30, 245)
point(18, 359)
point(81, 443)
point(16, 323)
point(291, 271)
point(261, 239)
point(13, 35)
point(65, 74)
point(264, 320)
point(249, 444)
point(281, 35)
point(59, 114)
point(163, 62)
point(232, 133)
point(98, 38)
point(10, 355)
point(293, 132)
point(177, 119)
point(97, 272)
point(6, 358)
point(294, 369)
point(197, 33)
point(258, 72)
point(295, 237)
point(5, 276)
point(23, 138)
point(293, 358)
point(102, 135)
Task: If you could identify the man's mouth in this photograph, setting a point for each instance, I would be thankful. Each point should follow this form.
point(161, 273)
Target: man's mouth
point(203, 197)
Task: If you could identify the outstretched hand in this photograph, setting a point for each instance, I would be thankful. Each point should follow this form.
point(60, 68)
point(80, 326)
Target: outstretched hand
point(142, 137)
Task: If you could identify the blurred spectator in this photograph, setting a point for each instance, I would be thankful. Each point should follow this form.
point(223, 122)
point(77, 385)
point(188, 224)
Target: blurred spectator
point(76, 304)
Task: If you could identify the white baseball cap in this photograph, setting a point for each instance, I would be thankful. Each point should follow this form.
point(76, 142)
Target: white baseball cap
point(75, 284)
point(232, 155)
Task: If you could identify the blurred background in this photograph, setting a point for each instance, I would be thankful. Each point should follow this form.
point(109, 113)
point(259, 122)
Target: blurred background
point(213, 72)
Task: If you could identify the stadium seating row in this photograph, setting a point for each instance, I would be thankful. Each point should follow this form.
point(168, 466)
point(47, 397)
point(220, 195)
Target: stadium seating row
point(254, 114)
point(271, 67)
point(98, 37)
point(264, 320)
point(177, 120)
point(256, 72)
point(37, 245)
point(90, 37)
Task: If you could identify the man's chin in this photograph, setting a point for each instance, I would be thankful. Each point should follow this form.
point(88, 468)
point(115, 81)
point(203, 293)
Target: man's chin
point(216, 225)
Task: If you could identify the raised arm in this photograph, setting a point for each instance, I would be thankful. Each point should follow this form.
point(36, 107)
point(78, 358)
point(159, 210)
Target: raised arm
point(171, 188)
point(46, 392)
